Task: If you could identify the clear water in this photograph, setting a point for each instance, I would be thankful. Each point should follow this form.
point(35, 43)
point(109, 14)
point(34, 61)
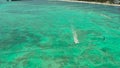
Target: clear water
point(59, 35)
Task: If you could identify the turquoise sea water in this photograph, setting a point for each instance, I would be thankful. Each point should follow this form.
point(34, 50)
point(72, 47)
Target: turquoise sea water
point(45, 34)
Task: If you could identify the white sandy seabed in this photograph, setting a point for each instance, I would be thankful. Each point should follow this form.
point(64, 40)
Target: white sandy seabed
point(90, 2)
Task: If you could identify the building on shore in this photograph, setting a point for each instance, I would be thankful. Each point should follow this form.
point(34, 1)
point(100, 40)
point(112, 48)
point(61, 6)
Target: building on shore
point(116, 1)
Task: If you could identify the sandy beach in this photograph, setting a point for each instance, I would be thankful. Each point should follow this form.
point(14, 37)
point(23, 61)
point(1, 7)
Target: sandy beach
point(91, 2)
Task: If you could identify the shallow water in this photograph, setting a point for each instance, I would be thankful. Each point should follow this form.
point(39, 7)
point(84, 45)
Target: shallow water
point(59, 35)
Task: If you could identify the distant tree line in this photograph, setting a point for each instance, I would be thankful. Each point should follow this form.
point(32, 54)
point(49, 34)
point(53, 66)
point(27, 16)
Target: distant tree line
point(110, 1)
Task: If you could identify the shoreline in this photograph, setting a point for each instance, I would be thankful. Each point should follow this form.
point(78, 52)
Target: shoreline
point(91, 2)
